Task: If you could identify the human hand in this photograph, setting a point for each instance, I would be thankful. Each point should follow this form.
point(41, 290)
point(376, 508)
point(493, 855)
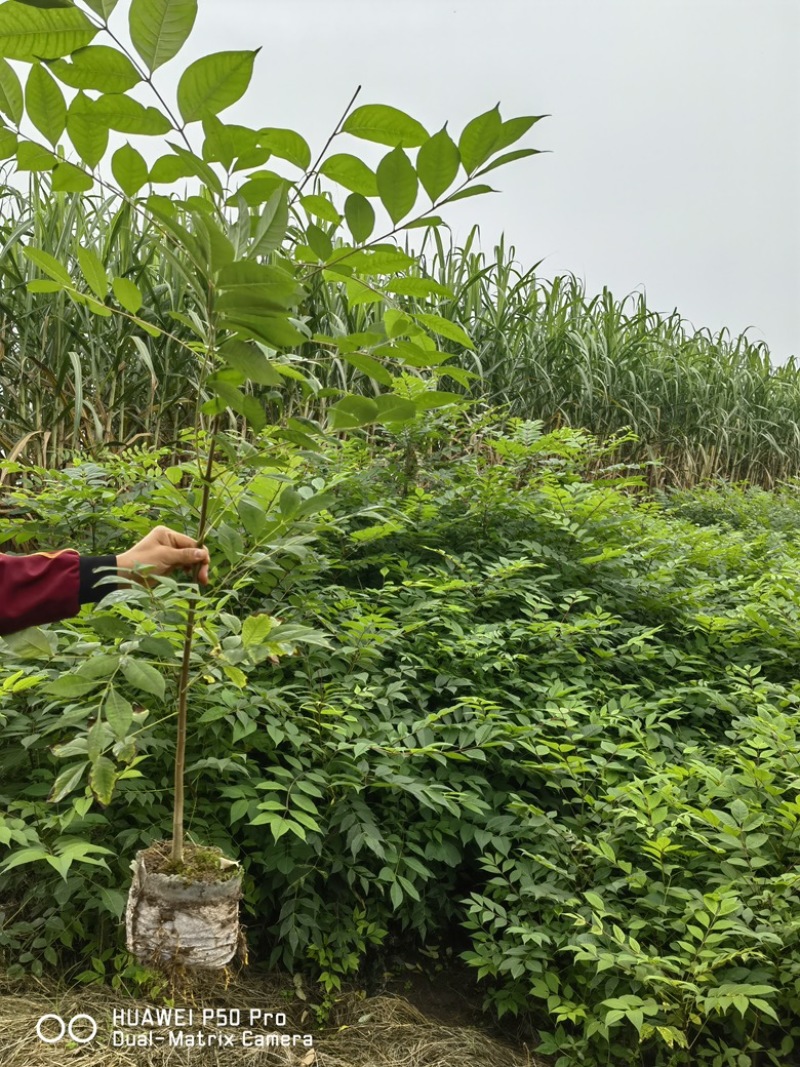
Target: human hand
point(164, 550)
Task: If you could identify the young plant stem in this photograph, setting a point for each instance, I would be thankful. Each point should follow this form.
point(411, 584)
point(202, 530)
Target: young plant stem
point(183, 683)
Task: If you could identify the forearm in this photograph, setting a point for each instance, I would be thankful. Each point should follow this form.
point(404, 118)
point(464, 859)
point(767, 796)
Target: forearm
point(48, 586)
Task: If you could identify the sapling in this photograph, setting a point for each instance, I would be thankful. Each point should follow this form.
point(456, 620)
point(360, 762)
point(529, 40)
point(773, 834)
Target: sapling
point(249, 241)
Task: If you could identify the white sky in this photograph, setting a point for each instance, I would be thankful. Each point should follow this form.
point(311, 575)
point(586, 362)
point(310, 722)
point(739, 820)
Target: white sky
point(674, 129)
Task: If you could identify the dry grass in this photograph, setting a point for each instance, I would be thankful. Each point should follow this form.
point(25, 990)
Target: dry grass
point(382, 1031)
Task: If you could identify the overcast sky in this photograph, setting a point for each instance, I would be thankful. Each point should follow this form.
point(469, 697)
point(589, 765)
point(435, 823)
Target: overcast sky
point(673, 137)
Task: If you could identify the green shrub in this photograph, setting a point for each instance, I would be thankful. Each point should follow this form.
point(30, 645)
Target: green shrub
point(547, 720)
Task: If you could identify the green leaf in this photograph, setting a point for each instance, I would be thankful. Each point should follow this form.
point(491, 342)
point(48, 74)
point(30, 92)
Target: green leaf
point(213, 83)
point(88, 134)
point(30, 33)
point(427, 220)
point(369, 366)
point(160, 28)
point(351, 172)
point(352, 411)
point(223, 143)
point(129, 169)
point(8, 144)
point(31, 643)
point(102, 778)
point(48, 3)
point(118, 712)
point(360, 216)
point(393, 409)
point(143, 676)
point(67, 178)
point(269, 228)
point(127, 294)
point(274, 330)
point(97, 67)
point(10, 92)
point(253, 413)
point(385, 125)
point(103, 8)
point(168, 169)
point(436, 398)
point(123, 113)
point(251, 361)
point(93, 271)
point(478, 139)
point(320, 206)
point(397, 184)
point(508, 157)
point(41, 285)
point(66, 782)
point(34, 157)
point(68, 686)
point(252, 287)
point(245, 405)
point(48, 264)
point(438, 161)
point(420, 287)
point(445, 328)
point(472, 190)
point(513, 129)
point(286, 144)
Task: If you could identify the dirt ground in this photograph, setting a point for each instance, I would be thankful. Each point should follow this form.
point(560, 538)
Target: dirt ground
point(418, 1019)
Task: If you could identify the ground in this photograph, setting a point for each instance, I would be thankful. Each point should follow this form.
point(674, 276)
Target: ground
point(419, 1019)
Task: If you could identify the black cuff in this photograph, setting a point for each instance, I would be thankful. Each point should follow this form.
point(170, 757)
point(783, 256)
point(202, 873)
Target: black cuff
point(89, 592)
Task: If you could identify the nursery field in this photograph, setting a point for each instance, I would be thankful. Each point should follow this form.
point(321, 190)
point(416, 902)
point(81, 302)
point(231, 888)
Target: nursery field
point(481, 745)
point(540, 724)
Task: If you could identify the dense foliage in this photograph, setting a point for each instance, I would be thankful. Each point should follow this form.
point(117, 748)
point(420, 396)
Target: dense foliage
point(544, 719)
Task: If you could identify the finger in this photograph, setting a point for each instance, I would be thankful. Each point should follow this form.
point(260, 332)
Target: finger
point(184, 557)
point(170, 537)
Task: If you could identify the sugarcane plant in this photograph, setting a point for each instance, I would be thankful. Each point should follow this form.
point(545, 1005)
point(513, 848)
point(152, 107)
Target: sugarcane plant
point(250, 241)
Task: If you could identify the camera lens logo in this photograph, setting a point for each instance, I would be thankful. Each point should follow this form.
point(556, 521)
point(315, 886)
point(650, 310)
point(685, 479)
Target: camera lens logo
point(80, 1028)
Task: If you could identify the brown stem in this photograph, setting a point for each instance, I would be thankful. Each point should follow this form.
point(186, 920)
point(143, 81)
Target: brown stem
point(183, 683)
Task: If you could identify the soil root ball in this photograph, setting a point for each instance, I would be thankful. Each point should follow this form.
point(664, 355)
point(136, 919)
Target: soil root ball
point(185, 916)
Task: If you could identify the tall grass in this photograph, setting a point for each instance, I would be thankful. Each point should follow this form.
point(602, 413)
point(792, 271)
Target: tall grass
point(703, 405)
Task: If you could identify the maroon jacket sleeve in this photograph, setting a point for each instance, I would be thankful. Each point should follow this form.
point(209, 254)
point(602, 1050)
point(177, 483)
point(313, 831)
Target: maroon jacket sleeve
point(48, 586)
